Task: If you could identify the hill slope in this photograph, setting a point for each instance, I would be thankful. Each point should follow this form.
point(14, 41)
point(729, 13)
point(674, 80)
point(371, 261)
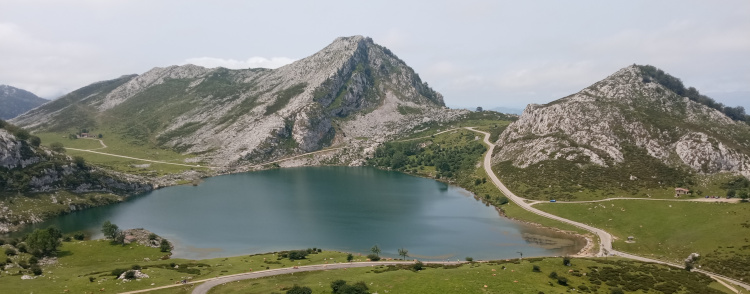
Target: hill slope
point(624, 133)
point(36, 182)
point(353, 92)
point(14, 101)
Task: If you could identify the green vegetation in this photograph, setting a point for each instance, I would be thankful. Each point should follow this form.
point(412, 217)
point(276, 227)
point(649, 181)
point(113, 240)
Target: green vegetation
point(283, 97)
point(87, 266)
point(120, 146)
point(406, 110)
point(640, 175)
point(675, 85)
point(513, 276)
point(672, 230)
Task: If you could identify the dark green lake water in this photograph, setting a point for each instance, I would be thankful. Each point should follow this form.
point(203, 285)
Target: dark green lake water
point(335, 208)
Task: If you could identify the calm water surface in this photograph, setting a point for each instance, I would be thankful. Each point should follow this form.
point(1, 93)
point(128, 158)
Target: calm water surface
point(336, 208)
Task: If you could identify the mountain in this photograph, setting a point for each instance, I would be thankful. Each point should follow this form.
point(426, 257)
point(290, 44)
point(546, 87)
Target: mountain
point(15, 101)
point(36, 182)
point(352, 93)
point(625, 133)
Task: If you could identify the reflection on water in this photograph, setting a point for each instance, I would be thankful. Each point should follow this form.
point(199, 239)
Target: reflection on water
point(336, 208)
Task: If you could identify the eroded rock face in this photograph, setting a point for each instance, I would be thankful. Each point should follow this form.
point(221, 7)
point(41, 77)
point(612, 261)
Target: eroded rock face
point(594, 125)
point(351, 88)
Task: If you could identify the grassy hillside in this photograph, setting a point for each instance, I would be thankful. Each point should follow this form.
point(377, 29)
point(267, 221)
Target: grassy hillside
point(512, 276)
point(672, 230)
point(87, 266)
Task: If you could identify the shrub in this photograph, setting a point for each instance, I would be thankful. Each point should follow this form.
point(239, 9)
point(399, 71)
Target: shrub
point(562, 281)
point(373, 257)
point(22, 248)
point(536, 269)
point(92, 279)
point(152, 236)
point(417, 266)
point(616, 291)
point(349, 257)
point(117, 272)
point(36, 270)
point(553, 275)
point(297, 254)
point(566, 261)
point(136, 267)
point(469, 259)
point(164, 246)
point(57, 147)
point(129, 275)
point(79, 236)
point(23, 264)
point(10, 251)
point(67, 239)
point(33, 260)
point(299, 290)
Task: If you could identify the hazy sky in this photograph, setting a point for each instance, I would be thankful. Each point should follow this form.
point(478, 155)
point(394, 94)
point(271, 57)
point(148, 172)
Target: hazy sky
point(477, 53)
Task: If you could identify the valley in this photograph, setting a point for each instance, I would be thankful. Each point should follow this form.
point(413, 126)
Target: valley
point(354, 108)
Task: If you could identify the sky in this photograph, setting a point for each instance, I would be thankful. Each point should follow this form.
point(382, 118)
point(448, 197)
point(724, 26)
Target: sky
point(476, 53)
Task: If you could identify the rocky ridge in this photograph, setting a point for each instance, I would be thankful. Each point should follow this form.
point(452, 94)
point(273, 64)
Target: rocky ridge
point(29, 170)
point(353, 92)
point(595, 125)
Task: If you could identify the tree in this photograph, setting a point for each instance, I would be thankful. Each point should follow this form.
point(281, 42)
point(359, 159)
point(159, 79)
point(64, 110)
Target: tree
point(536, 269)
point(57, 147)
point(479, 109)
point(109, 230)
point(731, 193)
point(566, 261)
point(340, 287)
point(403, 253)
point(336, 285)
point(79, 161)
point(744, 195)
point(45, 241)
point(417, 266)
point(164, 246)
point(35, 141)
point(299, 290)
point(349, 257)
point(375, 250)
point(469, 259)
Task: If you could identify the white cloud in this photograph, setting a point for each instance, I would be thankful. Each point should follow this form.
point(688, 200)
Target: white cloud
point(45, 67)
point(252, 62)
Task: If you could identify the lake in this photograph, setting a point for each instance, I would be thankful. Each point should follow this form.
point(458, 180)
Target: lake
point(334, 208)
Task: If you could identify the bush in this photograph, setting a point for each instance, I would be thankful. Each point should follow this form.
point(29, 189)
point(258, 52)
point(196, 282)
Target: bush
point(57, 147)
point(340, 287)
point(22, 248)
point(616, 291)
point(469, 259)
point(566, 261)
point(10, 251)
point(562, 281)
point(92, 279)
point(349, 257)
point(33, 260)
point(299, 290)
point(373, 257)
point(79, 236)
point(536, 269)
point(129, 275)
point(553, 275)
point(164, 246)
point(67, 239)
point(136, 267)
point(36, 270)
point(297, 254)
point(23, 264)
point(152, 236)
point(417, 266)
point(118, 271)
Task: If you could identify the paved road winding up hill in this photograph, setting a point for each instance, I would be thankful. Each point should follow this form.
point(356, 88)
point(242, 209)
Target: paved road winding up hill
point(605, 239)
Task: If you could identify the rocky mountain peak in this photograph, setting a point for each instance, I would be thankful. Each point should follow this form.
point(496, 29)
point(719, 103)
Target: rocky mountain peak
point(15, 101)
point(351, 88)
point(623, 120)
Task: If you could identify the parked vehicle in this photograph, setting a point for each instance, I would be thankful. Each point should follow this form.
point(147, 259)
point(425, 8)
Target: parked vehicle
point(553, 200)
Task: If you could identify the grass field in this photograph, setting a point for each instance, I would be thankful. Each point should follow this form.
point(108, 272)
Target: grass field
point(671, 230)
point(513, 276)
point(80, 260)
point(119, 146)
